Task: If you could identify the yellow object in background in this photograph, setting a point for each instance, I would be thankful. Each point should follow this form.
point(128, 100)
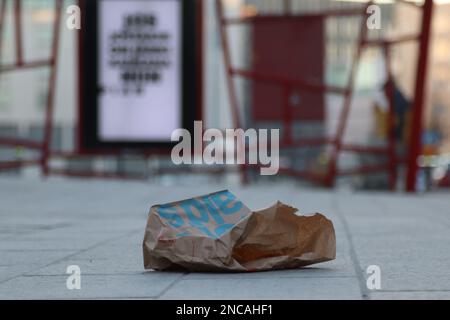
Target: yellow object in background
point(381, 122)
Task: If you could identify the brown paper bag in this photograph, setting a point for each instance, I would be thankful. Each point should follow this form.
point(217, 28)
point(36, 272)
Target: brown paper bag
point(217, 232)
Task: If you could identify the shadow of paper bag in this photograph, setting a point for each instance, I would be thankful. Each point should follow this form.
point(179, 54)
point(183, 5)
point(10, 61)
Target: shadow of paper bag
point(217, 232)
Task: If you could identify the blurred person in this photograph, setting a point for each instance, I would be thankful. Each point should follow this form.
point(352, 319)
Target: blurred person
point(402, 111)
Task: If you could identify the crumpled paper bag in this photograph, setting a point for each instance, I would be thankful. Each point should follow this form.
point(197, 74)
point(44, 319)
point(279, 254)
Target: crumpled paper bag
point(217, 232)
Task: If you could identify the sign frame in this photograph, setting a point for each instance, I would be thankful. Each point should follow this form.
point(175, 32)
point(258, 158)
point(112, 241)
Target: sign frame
point(88, 138)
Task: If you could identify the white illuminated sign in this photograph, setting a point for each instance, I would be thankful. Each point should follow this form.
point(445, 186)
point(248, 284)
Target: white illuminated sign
point(140, 70)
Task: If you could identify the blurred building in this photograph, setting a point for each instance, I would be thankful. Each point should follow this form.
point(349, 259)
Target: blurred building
point(23, 95)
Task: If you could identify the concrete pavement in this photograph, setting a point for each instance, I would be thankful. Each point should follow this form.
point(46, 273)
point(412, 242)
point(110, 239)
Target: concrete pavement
point(99, 225)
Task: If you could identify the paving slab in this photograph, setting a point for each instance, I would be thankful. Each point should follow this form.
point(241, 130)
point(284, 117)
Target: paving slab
point(411, 295)
point(149, 285)
point(269, 287)
point(45, 226)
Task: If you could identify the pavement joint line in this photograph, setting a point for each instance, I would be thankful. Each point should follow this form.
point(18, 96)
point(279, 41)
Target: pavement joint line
point(412, 290)
point(84, 274)
point(118, 298)
point(170, 286)
point(13, 236)
point(265, 278)
point(33, 250)
point(220, 277)
point(71, 255)
point(353, 255)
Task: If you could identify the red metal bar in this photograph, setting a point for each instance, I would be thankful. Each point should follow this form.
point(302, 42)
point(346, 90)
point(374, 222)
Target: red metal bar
point(332, 170)
point(308, 175)
point(207, 170)
point(17, 142)
point(314, 142)
point(415, 143)
point(2, 23)
point(112, 175)
point(365, 170)
point(408, 3)
point(365, 149)
point(391, 120)
point(391, 42)
point(68, 155)
point(52, 89)
point(94, 174)
point(276, 18)
point(18, 30)
point(25, 65)
point(228, 65)
point(288, 81)
point(105, 153)
point(8, 165)
point(317, 178)
point(306, 142)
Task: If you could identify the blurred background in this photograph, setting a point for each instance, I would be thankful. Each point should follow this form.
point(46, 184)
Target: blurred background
point(306, 45)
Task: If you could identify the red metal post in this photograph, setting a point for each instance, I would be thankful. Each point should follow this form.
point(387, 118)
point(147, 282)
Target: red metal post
point(52, 89)
point(229, 76)
point(228, 64)
point(18, 30)
point(2, 22)
point(391, 119)
point(199, 60)
point(79, 126)
point(415, 142)
point(332, 169)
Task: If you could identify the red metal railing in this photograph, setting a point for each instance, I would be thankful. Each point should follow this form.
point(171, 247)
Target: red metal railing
point(415, 143)
point(46, 152)
point(288, 141)
point(20, 64)
point(336, 142)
